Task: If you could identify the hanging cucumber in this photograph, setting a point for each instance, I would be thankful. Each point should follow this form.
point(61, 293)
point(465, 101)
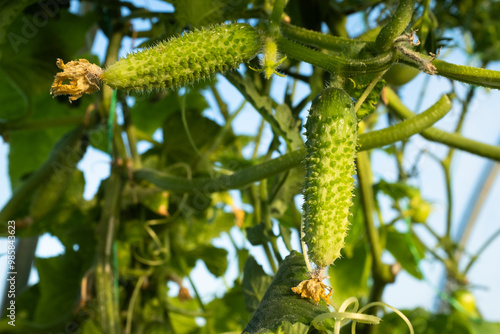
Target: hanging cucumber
point(328, 189)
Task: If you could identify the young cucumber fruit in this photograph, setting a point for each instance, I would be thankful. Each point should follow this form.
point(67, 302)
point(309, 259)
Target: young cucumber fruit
point(186, 59)
point(328, 188)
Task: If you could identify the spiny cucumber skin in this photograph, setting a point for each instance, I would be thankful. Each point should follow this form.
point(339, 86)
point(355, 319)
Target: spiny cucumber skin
point(328, 188)
point(185, 59)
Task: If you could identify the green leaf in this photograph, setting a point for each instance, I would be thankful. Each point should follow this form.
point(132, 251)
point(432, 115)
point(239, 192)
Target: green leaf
point(256, 235)
point(91, 326)
point(28, 66)
point(26, 303)
point(49, 192)
point(396, 190)
point(243, 255)
point(255, 284)
point(30, 58)
point(204, 229)
point(407, 250)
point(228, 312)
point(29, 149)
point(181, 323)
point(12, 99)
point(355, 87)
point(285, 195)
point(149, 113)
point(291, 217)
point(8, 12)
point(69, 219)
point(280, 304)
point(198, 12)
point(261, 103)
point(287, 328)
point(176, 143)
point(349, 276)
point(290, 125)
point(59, 284)
point(484, 327)
point(356, 226)
point(215, 258)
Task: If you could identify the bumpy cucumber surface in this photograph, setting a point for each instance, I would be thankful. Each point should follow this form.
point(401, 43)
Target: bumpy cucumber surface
point(328, 188)
point(186, 59)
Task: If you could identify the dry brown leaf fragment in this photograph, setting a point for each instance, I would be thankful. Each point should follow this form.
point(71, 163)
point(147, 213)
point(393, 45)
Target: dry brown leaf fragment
point(84, 78)
point(184, 294)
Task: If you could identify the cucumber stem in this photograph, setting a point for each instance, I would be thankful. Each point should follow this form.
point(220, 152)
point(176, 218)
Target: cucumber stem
point(396, 25)
point(433, 134)
point(275, 18)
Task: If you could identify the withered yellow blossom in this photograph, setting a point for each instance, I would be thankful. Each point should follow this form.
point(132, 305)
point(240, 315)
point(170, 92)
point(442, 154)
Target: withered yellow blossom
point(84, 78)
point(314, 288)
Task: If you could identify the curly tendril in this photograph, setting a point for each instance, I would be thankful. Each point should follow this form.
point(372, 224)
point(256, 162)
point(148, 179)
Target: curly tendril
point(342, 317)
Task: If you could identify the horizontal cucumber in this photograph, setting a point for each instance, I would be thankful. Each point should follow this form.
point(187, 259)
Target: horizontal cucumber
point(170, 64)
point(186, 59)
point(328, 188)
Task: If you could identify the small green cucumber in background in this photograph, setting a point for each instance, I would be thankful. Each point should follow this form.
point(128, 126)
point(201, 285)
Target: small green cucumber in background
point(328, 188)
point(400, 74)
point(185, 59)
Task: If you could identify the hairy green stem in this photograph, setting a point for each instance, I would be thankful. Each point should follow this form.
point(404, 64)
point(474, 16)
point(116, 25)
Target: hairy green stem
point(220, 103)
point(467, 74)
point(275, 18)
point(320, 40)
point(451, 139)
point(446, 164)
point(130, 130)
point(367, 91)
point(410, 126)
point(237, 180)
point(266, 219)
point(107, 297)
point(131, 305)
point(270, 257)
point(336, 64)
point(273, 167)
point(471, 75)
point(396, 25)
point(258, 138)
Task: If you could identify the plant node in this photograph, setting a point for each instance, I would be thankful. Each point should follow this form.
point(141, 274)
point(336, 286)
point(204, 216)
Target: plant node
point(403, 43)
point(84, 78)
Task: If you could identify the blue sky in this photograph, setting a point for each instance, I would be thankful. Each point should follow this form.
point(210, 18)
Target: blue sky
point(482, 123)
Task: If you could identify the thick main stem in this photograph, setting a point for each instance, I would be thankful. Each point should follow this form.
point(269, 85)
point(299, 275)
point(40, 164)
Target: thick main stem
point(105, 272)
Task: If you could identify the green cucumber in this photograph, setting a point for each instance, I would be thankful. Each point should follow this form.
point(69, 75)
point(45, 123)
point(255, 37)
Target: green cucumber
point(186, 59)
point(328, 188)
